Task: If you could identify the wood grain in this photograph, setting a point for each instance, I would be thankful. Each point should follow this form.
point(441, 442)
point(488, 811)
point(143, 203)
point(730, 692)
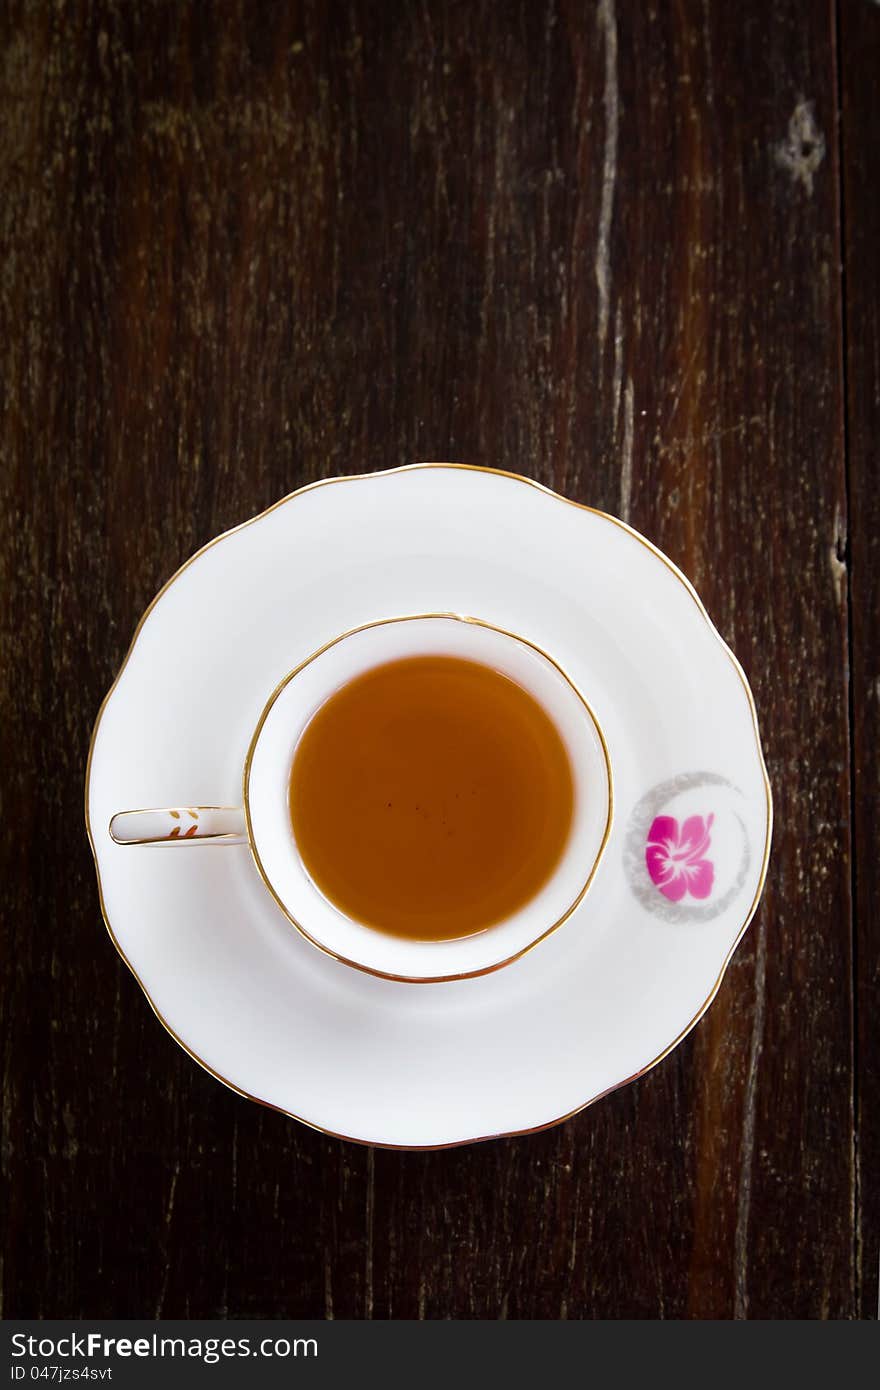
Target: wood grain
point(248, 246)
point(860, 64)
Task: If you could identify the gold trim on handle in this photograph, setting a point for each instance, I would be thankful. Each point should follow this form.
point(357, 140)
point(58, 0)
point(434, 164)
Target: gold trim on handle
point(465, 974)
point(193, 834)
point(673, 569)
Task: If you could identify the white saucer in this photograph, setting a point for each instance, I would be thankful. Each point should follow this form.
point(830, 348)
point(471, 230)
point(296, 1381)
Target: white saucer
point(603, 998)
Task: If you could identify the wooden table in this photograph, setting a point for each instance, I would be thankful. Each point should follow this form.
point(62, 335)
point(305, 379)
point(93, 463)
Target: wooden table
point(628, 249)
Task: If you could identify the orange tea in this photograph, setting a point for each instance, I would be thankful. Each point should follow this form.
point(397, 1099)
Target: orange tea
point(431, 797)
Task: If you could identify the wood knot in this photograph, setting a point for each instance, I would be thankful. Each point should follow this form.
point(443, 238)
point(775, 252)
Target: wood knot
point(803, 149)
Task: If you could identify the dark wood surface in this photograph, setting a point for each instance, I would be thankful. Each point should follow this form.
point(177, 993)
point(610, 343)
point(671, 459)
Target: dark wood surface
point(860, 67)
point(628, 249)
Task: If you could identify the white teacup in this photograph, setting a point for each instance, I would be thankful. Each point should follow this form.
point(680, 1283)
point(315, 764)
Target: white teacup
point(264, 821)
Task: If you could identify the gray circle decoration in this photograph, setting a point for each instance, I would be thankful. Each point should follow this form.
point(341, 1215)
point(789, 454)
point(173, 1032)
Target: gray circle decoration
point(635, 869)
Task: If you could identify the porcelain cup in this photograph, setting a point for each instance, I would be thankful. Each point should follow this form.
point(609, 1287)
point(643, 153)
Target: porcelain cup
point(263, 820)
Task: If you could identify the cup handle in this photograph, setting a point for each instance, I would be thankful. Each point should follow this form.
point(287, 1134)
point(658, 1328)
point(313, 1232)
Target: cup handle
point(180, 825)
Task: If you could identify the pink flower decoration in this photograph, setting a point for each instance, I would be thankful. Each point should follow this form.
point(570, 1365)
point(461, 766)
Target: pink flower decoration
point(675, 857)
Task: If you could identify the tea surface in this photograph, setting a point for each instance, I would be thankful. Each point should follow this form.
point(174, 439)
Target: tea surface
point(431, 797)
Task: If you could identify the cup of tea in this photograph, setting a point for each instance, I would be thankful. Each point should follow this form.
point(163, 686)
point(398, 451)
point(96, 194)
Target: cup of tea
point(426, 798)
